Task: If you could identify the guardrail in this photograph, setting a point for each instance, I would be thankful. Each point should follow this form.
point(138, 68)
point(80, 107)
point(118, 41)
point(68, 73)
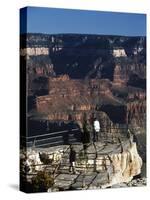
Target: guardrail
point(56, 169)
point(70, 136)
point(53, 138)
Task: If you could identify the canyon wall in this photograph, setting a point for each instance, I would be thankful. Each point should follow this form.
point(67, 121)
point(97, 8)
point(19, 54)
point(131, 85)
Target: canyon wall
point(72, 75)
point(34, 51)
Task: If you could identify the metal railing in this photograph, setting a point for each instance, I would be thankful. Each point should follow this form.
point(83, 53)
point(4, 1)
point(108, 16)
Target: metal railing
point(56, 169)
point(71, 136)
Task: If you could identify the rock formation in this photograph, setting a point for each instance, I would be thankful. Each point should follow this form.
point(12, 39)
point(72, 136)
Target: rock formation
point(74, 97)
point(107, 168)
point(34, 51)
point(119, 53)
point(118, 79)
point(126, 166)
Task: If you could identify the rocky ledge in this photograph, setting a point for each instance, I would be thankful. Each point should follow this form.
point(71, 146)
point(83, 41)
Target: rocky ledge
point(101, 166)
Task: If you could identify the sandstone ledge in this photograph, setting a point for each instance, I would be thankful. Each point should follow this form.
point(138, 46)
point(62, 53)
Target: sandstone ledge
point(105, 165)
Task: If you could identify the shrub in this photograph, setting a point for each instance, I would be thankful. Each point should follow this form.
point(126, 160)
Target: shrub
point(42, 182)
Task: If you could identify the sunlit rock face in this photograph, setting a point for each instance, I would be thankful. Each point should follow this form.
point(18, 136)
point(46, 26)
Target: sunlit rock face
point(34, 51)
point(74, 97)
point(34, 158)
point(126, 165)
point(119, 53)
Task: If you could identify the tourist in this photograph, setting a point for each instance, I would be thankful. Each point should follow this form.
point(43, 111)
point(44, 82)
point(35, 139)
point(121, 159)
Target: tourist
point(87, 130)
point(96, 130)
point(72, 160)
point(90, 131)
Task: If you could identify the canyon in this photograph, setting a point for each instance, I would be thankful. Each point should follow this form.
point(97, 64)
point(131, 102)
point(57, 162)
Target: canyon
point(74, 78)
point(72, 75)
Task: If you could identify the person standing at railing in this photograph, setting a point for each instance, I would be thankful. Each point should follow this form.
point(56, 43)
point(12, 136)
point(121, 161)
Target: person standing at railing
point(72, 160)
point(87, 130)
point(96, 130)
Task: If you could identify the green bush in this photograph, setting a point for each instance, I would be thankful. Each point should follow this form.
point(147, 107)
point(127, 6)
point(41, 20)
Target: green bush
point(42, 182)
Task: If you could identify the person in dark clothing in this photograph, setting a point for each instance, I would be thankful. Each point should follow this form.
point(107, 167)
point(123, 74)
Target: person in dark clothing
point(86, 135)
point(87, 132)
point(72, 160)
